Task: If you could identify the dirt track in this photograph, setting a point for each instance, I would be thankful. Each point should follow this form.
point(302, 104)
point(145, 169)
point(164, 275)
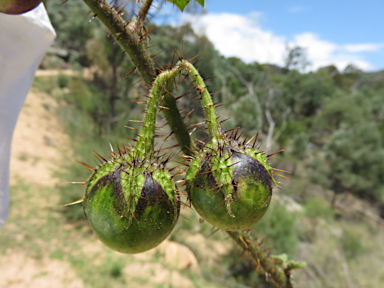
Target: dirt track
point(36, 140)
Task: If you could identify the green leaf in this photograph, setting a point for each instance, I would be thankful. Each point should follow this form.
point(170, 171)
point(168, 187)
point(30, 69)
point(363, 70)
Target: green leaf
point(182, 3)
point(296, 264)
point(281, 259)
point(201, 2)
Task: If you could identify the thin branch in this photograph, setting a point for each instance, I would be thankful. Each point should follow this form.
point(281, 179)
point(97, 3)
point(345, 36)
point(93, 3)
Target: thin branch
point(253, 94)
point(272, 271)
point(284, 125)
point(272, 138)
point(269, 118)
point(143, 13)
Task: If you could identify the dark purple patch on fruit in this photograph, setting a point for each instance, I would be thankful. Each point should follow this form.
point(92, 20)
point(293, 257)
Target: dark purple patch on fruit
point(117, 193)
point(247, 166)
point(152, 194)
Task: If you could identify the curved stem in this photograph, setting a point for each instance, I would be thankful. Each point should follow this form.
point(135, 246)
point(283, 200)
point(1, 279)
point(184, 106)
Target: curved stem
point(162, 83)
point(145, 142)
point(206, 100)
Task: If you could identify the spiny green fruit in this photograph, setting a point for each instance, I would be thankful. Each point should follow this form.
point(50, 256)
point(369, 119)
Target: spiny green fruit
point(131, 204)
point(17, 6)
point(230, 184)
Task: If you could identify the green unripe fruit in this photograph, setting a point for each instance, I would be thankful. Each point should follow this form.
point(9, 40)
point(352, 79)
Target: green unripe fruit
point(230, 186)
point(131, 205)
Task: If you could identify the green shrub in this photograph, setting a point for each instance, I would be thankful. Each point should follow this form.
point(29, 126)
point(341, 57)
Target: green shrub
point(278, 228)
point(62, 80)
point(352, 244)
point(318, 208)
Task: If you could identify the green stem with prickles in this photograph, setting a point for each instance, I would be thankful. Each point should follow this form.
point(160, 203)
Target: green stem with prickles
point(146, 140)
point(127, 37)
point(163, 81)
point(143, 12)
point(145, 143)
point(206, 100)
point(277, 274)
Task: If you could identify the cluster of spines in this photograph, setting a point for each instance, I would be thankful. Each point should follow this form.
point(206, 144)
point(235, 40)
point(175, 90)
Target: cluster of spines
point(236, 144)
point(125, 155)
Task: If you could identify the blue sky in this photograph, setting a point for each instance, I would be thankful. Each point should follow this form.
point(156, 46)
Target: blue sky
point(333, 32)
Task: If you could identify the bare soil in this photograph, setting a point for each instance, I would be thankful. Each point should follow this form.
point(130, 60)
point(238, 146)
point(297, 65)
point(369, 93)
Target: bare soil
point(36, 139)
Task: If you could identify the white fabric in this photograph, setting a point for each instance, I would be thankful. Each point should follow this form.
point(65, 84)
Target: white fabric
point(24, 39)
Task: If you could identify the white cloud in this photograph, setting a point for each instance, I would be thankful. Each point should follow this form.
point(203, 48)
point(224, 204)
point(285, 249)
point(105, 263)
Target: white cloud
point(247, 40)
point(317, 49)
point(322, 53)
point(363, 47)
point(250, 42)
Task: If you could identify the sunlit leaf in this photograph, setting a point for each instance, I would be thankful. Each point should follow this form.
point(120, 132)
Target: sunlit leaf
point(296, 264)
point(201, 2)
point(182, 3)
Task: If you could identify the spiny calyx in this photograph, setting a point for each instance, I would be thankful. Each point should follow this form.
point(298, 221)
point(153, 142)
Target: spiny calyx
point(230, 184)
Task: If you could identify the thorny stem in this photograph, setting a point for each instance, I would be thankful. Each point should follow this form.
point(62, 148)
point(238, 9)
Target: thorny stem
point(145, 142)
point(206, 100)
point(143, 13)
point(272, 271)
point(121, 30)
point(135, 46)
point(139, 54)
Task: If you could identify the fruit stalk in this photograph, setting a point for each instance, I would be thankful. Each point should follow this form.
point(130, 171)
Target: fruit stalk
point(145, 142)
point(206, 100)
point(165, 79)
